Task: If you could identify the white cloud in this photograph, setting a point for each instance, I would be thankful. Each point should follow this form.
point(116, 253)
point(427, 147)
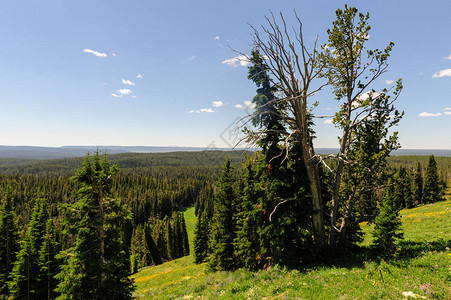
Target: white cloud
point(239, 106)
point(133, 96)
point(193, 57)
point(124, 91)
point(96, 53)
point(217, 103)
point(207, 110)
point(448, 113)
point(328, 121)
point(116, 95)
point(389, 81)
point(139, 76)
point(114, 54)
point(241, 60)
point(426, 114)
point(367, 95)
point(216, 37)
point(249, 104)
point(442, 73)
point(124, 81)
point(449, 57)
point(447, 108)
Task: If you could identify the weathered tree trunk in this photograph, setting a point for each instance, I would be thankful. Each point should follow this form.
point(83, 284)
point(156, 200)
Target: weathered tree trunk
point(339, 171)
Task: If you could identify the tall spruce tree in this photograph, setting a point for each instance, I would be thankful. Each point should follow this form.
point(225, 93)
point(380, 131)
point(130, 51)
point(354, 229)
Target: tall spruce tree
point(403, 192)
point(223, 226)
point(418, 185)
point(9, 240)
point(247, 242)
point(97, 267)
point(387, 228)
point(48, 263)
point(27, 279)
point(431, 192)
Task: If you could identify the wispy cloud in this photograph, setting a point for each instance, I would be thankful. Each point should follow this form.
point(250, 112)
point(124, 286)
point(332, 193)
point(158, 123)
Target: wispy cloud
point(240, 60)
point(448, 57)
point(124, 91)
point(96, 53)
point(202, 110)
point(139, 76)
point(239, 106)
point(133, 96)
point(328, 121)
point(128, 82)
point(389, 81)
point(217, 103)
point(249, 104)
point(448, 113)
point(447, 108)
point(216, 38)
point(193, 57)
point(442, 73)
point(114, 54)
point(116, 95)
point(426, 114)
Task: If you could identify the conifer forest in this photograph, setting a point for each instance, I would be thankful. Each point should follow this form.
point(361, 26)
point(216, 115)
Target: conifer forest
point(87, 227)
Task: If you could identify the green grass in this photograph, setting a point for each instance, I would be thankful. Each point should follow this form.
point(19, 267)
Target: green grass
point(424, 268)
point(190, 220)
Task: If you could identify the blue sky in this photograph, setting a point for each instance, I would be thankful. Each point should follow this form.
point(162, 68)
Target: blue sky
point(158, 73)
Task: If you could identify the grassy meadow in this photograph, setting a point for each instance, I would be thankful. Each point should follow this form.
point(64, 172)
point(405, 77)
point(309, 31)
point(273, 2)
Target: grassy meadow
point(422, 270)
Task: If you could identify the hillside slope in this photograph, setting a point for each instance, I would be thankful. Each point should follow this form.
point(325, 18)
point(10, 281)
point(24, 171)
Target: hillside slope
point(423, 269)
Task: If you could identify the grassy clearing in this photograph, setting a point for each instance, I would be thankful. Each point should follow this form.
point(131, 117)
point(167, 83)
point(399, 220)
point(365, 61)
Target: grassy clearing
point(423, 269)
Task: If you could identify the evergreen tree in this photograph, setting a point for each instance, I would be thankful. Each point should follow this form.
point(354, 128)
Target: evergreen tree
point(152, 246)
point(204, 213)
point(201, 239)
point(223, 226)
point(27, 279)
point(387, 229)
point(48, 264)
point(185, 239)
point(9, 240)
point(247, 244)
point(403, 192)
point(431, 192)
point(97, 267)
point(418, 185)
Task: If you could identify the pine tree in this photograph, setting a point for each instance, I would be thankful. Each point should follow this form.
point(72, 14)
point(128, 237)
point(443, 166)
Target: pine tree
point(27, 279)
point(403, 192)
point(9, 240)
point(431, 192)
point(97, 267)
point(418, 185)
point(48, 264)
point(387, 229)
point(223, 227)
point(247, 242)
point(204, 213)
